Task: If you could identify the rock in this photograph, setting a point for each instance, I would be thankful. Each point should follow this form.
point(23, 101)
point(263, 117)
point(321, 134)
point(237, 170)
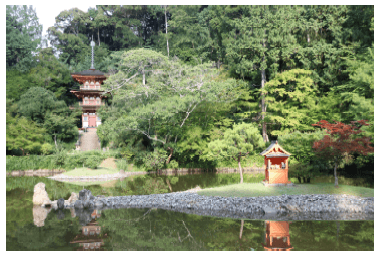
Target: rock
point(78, 204)
point(269, 210)
point(98, 204)
point(39, 215)
point(85, 195)
point(88, 204)
point(60, 203)
point(73, 198)
point(40, 196)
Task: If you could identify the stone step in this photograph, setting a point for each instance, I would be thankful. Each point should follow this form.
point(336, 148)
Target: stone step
point(89, 140)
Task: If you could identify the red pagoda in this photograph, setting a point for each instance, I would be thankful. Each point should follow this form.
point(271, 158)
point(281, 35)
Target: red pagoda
point(90, 92)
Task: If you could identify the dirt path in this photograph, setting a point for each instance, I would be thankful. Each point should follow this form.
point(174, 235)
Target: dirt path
point(109, 163)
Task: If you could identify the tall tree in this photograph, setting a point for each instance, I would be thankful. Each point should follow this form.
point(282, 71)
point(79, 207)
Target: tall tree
point(341, 141)
point(262, 40)
point(23, 36)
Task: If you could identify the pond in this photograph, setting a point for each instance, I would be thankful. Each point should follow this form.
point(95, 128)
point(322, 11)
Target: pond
point(31, 228)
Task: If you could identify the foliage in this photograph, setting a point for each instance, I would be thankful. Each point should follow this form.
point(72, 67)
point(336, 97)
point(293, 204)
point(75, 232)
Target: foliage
point(237, 142)
point(46, 149)
point(153, 161)
point(23, 35)
point(92, 162)
point(300, 146)
point(23, 134)
point(122, 164)
point(341, 141)
point(290, 98)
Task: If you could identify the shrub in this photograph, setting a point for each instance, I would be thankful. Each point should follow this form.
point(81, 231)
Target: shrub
point(46, 149)
point(122, 164)
point(92, 161)
point(60, 158)
point(173, 164)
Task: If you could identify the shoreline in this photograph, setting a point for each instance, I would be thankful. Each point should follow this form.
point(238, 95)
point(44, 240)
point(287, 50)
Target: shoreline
point(284, 207)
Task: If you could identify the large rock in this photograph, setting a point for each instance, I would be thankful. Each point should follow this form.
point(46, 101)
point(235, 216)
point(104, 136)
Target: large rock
point(73, 198)
point(40, 196)
point(39, 215)
point(60, 203)
point(86, 195)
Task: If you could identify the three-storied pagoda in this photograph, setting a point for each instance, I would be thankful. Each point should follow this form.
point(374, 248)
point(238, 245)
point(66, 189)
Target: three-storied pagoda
point(90, 92)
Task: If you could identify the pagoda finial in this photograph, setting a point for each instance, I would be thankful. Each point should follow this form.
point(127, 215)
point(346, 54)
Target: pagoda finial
point(92, 45)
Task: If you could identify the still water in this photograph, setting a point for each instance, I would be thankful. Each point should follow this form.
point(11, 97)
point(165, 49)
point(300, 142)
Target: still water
point(33, 228)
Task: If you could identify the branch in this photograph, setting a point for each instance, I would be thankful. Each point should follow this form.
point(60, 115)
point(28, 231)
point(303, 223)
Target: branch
point(187, 115)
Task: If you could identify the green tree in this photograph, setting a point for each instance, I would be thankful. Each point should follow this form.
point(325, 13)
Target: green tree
point(23, 35)
point(262, 40)
point(37, 102)
point(23, 134)
point(290, 98)
point(237, 142)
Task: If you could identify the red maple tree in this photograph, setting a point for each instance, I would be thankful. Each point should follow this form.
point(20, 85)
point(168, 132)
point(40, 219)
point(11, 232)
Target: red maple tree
point(341, 141)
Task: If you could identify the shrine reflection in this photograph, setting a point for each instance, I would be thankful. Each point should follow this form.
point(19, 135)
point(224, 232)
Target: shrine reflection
point(277, 237)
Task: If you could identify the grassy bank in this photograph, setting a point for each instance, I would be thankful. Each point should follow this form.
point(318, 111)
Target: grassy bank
point(258, 189)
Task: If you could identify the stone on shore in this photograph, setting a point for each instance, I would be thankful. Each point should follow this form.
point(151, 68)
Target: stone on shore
point(60, 203)
point(73, 198)
point(40, 196)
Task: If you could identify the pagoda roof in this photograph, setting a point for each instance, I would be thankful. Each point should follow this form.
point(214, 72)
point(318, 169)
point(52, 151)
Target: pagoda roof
point(90, 72)
point(275, 150)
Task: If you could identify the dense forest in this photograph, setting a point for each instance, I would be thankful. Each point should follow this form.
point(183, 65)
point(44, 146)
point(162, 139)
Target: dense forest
point(184, 80)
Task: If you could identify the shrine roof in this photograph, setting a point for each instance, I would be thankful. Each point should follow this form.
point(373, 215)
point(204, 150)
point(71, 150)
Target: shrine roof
point(277, 154)
point(89, 73)
point(274, 149)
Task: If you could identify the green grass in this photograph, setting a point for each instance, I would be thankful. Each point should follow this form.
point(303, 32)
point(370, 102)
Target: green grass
point(90, 172)
point(258, 189)
point(93, 183)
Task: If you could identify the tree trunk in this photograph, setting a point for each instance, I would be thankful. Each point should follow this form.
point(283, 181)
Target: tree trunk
point(170, 155)
point(263, 106)
point(336, 179)
point(56, 145)
point(166, 29)
point(23, 151)
point(144, 78)
point(241, 229)
point(98, 36)
point(240, 170)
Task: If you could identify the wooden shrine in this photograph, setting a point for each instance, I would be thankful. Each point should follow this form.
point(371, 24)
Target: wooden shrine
point(276, 165)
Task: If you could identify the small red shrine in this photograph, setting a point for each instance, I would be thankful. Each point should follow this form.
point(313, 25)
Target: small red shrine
point(276, 165)
point(277, 236)
point(91, 94)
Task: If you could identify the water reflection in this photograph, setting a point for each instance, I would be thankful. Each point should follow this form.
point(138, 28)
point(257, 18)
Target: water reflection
point(277, 236)
point(90, 237)
point(155, 229)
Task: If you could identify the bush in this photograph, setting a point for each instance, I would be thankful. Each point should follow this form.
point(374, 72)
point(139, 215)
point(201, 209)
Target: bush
point(92, 161)
point(122, 164)
point(173, 165)
point(46, 149)
point(60, 158)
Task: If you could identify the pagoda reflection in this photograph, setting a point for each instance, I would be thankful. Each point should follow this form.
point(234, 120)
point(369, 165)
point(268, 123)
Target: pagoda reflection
point(277, 236)
point(90, 238)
